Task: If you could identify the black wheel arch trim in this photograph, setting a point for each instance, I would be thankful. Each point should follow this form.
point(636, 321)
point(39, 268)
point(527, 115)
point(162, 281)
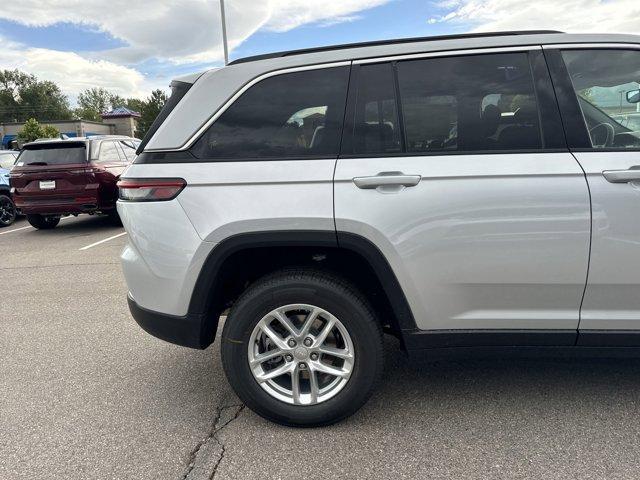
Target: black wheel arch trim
point(201, 301)
point(377, 261)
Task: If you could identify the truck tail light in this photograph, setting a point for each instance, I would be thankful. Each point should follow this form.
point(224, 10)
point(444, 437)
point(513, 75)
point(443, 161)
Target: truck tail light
point(150, 190)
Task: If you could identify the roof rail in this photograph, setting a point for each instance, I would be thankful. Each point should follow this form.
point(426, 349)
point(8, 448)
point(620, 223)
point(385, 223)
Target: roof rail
point(375, 43)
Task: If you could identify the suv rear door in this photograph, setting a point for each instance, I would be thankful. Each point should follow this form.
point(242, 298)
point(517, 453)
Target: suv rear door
point(456, 167)
point(592, 81)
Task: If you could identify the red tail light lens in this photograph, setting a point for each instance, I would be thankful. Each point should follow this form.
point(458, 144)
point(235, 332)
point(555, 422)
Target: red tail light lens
point(150, 190)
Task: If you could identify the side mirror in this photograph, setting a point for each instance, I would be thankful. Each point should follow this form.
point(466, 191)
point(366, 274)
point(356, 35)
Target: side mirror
point(633, 96)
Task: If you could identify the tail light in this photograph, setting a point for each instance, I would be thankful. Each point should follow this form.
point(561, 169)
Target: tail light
point(150, 190)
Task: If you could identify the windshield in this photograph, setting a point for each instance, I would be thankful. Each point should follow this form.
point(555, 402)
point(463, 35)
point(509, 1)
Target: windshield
point(53, 154)
point(7, 160)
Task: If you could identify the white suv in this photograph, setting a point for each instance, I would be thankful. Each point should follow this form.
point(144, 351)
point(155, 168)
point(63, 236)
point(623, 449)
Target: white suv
point(471, 191)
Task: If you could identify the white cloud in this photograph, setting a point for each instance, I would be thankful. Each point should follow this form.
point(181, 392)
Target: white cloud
point(287, 14)
point(176, 31)
point(607, 16)
point(180, 31)
point(74, 73)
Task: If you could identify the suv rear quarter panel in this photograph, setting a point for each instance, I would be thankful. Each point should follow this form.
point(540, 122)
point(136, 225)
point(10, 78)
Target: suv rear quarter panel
point(227, 198)
point(170, 241)
point(163, 257)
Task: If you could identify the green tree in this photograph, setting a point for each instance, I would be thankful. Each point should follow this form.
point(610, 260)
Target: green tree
point(94, 101)
point(149, 110)
point(32, 130)
point(23, 96)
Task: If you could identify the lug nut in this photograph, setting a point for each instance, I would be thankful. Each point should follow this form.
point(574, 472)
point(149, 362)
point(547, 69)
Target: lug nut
point(314, 356)
point(291, 343)
point(288, 358)
point(308, 342)
point(303, 366)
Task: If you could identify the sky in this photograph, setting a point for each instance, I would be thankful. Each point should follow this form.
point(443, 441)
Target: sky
point(134, 46)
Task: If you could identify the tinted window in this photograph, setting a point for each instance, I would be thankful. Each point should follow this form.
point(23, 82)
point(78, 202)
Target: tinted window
point(472, 103)
point(290, 115)
point(607, 85)
point(109, 153)
point(376, 125)
point(53, 154)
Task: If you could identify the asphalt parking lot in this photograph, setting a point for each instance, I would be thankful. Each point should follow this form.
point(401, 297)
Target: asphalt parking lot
point(85, 393)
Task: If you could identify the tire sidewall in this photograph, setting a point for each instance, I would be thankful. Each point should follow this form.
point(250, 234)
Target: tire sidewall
point(42, 222)
point(4, 197)
point(354, 316)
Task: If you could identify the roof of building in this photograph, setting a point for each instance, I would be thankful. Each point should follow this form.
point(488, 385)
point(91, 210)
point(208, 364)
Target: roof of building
point(120, 112)
point(48, 122)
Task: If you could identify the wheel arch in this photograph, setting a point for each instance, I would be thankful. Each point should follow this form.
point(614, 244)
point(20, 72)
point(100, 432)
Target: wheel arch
point(240, 259)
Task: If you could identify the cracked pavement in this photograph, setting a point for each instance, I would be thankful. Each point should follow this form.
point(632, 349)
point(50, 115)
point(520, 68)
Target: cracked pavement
point(85, 393)
point(206, 457)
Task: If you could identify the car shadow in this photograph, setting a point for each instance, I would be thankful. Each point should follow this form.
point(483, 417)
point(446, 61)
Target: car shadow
point(455, 386)
point(507, 385)
point(82, 224)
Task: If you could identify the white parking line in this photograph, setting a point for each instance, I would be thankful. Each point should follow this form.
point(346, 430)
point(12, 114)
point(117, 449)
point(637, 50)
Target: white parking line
point(102, 241)
point(16, 229)
point(28, 226)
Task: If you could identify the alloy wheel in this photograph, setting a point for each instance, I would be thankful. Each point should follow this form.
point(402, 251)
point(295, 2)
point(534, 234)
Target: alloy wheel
point(7, 211)
point(301, 354)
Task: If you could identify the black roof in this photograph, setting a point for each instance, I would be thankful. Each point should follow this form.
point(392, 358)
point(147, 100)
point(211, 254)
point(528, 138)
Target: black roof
point(388, 42)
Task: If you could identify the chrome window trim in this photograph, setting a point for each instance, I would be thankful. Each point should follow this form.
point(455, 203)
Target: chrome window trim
point(582, 46)
point(448, 53)
point(193, 138)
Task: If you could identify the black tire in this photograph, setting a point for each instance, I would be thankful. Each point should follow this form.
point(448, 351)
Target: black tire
point(7, 210)
point(43, 222)
point(303, 286)
point(114, 218)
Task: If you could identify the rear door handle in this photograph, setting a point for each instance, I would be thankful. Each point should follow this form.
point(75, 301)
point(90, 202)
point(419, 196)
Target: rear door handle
point(622, 176)
point(386, 179)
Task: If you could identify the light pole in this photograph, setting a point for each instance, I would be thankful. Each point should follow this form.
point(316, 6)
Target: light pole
point(224, 33)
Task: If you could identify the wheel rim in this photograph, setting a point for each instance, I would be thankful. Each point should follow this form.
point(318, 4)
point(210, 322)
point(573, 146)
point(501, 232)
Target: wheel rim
point(7, 211)
point(301, 354)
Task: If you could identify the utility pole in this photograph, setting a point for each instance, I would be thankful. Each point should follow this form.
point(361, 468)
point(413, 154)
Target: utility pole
point(224, 33)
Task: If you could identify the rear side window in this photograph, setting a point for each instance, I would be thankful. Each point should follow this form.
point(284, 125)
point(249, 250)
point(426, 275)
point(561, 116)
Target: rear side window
point(109, 152)
point(469, 104)
point(285, 116)
point(178, 90)
point(53, 154)
point(607, 85)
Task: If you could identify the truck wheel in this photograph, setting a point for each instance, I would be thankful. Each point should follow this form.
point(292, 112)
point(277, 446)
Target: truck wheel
point(7, 211)
point(43, 222)
point(302, 348)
